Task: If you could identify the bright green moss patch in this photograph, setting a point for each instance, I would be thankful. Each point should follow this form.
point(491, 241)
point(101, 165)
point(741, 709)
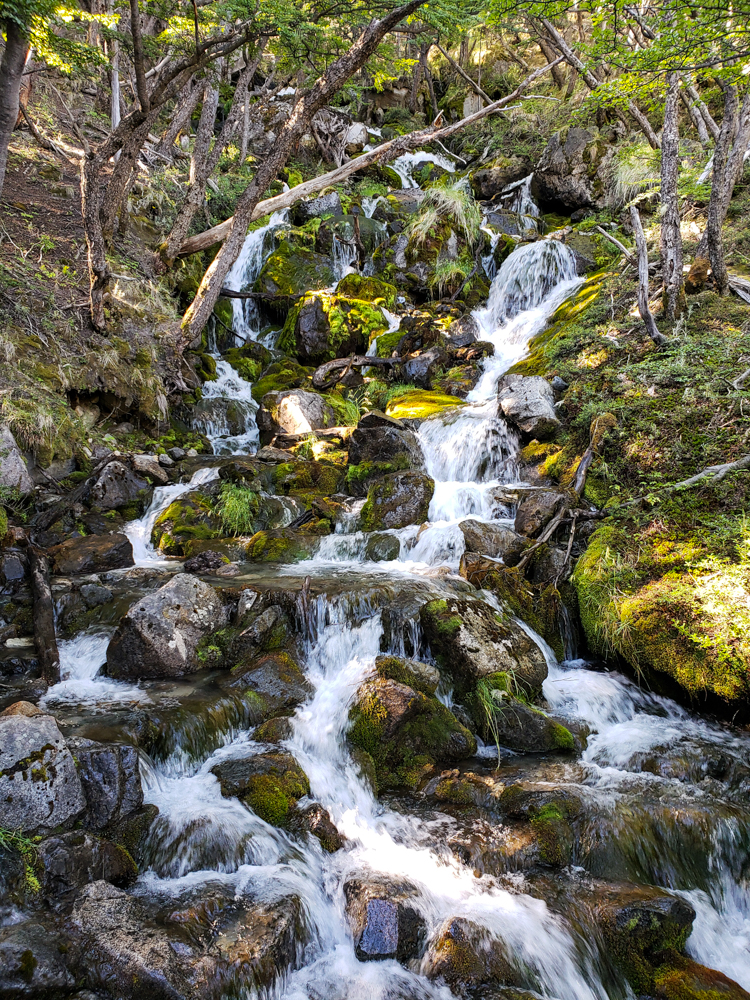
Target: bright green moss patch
point(419, 404)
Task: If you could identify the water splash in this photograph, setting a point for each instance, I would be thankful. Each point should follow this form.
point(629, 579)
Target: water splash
point(404, 166)
point(257, 247)
point(226, 413)
point(81, 659)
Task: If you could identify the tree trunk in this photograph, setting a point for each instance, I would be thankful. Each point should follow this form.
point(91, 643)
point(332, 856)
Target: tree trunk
point(671, 240)
point(697, 119)
point(294, 128)
point(428, 77)
point(11, 72)
point(558, 74)
point(416, 83)
point(472, 83)
point(719, 203)
point(711, 125)
point(187, 102)
point(381, 154)
point(205, 130)
point(640, 242)
point(44, 616)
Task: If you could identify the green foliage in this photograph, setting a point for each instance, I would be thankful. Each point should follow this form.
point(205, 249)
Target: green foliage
point(15, 841)
point(237, 508)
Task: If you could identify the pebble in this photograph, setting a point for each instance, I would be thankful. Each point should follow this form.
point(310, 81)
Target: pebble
point(165, 460)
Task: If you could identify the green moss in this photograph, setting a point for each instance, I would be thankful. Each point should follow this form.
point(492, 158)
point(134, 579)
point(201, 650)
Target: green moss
point(280, 376)
point(3, 523)
point(352, 323)
point(272, 796)
point(394, 668)
point(419, 404)
point(357, 286)
point(292, 270)
point(280, 547)
point(191, 518)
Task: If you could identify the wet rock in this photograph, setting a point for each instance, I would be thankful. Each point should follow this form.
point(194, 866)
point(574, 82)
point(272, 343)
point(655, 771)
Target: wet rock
point(386, 443)
point(270, 783)
point(421, 676)
point(682, 978)
point(283, 545)
point(147, 465)
point(397, 500)
point(494, 540)
point(117, 487)
point(317, 821)
point(314, 208)
point(294, 412)
point(521, 727)
point(528, 402)
point(274, 681)
point(550, 812)
point(274, 456)
point(25, 708)
point(536, 510)
point(382, 547)
point(474, 641)
point(111, 781)
point(198, 951)
point(405, 732)
point(159, 635)
point(383, 919)
point(326, 325)
point(33, 963)
point(95, 595)
point(92, 554)
point(74, 859)
point(464, 954)
point(574, 170)
point(12, 566)
point(274, 730)
point(13, 470)
point(463, 331)
point(639, 926)
point(39, 785)
point(491, 180)
point(205, 562)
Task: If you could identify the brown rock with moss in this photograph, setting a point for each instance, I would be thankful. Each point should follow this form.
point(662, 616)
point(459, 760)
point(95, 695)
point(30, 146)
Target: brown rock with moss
point(93, 554)
point(397, 500)
point(274, 682)
point(270, 783)
point(464, 954)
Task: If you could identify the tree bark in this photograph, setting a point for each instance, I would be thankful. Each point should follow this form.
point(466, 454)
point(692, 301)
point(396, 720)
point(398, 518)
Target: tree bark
point(719, 202)
point(381, 154)
point(425, 55)
point(205, 130)
point(711, 125)
point(671, 239)
point(294, 128)
point(472, 83)
point(697, 119)
point(640, 242)
point(11, 72)
point(44, 616)
point(416, 83)
point(549, 54)
point(187, 102)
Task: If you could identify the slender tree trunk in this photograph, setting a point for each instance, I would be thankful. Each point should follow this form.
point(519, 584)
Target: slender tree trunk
point(472, 83)
point(424, 57)
point(711, 125)
point(187, 102)
point(205, 130)
point(697, 119)
point(671, 240)
point(558, 74)
point(44, 616)
point(11, 72)
point(718, 204)
point(294, 128)
point(416, 83)
point(646, 315)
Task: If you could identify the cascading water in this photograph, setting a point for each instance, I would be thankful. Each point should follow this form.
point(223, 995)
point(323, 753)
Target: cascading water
point(257, 246)
point(404, 166)
point(226, 413)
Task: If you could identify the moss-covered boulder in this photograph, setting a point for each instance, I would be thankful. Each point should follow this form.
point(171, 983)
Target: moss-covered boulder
point(325, 325)
point(397, 500)
point(420, 404)
point(405, 732)
point(342, 228)
point(497, 175)
point(274, 682)
point(682, 978)
point(307, 480)
point(295, 411)
point(575, 170)
point(291, 271)
point(192, 517)
point(473, 641)
point(357, 286)
point(420, 676)
point(270, 783)
point(551, 813)
point(281, 546)
point(281, 376)
point(509, 721)
point(464, 954)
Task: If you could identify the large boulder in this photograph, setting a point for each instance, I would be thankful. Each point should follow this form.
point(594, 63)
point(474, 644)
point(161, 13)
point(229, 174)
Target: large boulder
point(536, 510)
point(315, 208)
point(398, 500)
point(40, 788)
point(528, 402)
point(494, 540)
point(200, 949)
point(13, 471)
point(274, 682)
point(92, 554)
point(473, 641)
point(324, 326)
point(111, 781)
point(270, 783)
point(33, 963)
point(291, 271)
point(574, 170)
point(464, 954)
point(118, 487)
point(405, 733)
point(506, 720)
point(420, 368)
point(383, 920)
point(159, 635)
point(381, 439)
point(494, 178)
point(294, 412)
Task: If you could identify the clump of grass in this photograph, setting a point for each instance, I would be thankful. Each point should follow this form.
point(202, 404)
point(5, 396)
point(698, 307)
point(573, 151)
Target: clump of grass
point(637, 169)
point(237, 508)
point(455, 204)
point(14, 840)
point(449, 275)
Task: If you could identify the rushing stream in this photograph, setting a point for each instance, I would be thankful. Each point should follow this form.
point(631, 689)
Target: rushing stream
point(662, 810)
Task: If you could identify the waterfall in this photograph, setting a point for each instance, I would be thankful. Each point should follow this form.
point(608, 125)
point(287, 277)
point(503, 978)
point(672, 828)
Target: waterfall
point(404, 166)
point(226, 413)
point(257, 246)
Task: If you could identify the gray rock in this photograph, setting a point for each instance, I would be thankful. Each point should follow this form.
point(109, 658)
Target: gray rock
point(382, 547)
point(383, 919)
point(146, 465)
point(421, 368)
point(463, 331)
point(494, 540)
point(165, 461)
point(94, 595)
point(536, 510)
point(177, 454)
point(32, 963)
point(92, 554)
point(575, 170)
point(314, 343)
point(385, 443)
point(398, 500)
point(39, 785)
point(528, 402)
point(159, 635)
point(75, 859)
point(12, 566)
point(472, 641)
point(558, 384)
point(275, 680)
point(116, 487)
point(525, 729)
point(294, 412)
point(490, 181)
point(314, 208)
point(13, 470)
point(111, 781)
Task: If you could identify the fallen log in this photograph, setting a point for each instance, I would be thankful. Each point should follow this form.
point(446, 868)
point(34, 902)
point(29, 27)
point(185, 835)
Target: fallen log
point(229, 293)
point(321, 377)
point(381, 154)
point(45, 639)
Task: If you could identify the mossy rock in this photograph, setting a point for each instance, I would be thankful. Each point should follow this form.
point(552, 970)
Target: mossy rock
point(397, 500)
point(511, 722)
point(280, 376)
point(291, 271)
point(307, 480)
point(281, 546)
point(357, 286)
point(405, 733)
point(324, 326)
point(3, 523)
point(270, 783)
point(191, 518)
point(682, 978)
point(420, 676)
point(419, 404)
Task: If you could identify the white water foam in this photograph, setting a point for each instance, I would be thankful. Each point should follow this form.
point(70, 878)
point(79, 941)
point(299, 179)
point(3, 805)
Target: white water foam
point(226, 413)
point(81, 659)
point(404, 165)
